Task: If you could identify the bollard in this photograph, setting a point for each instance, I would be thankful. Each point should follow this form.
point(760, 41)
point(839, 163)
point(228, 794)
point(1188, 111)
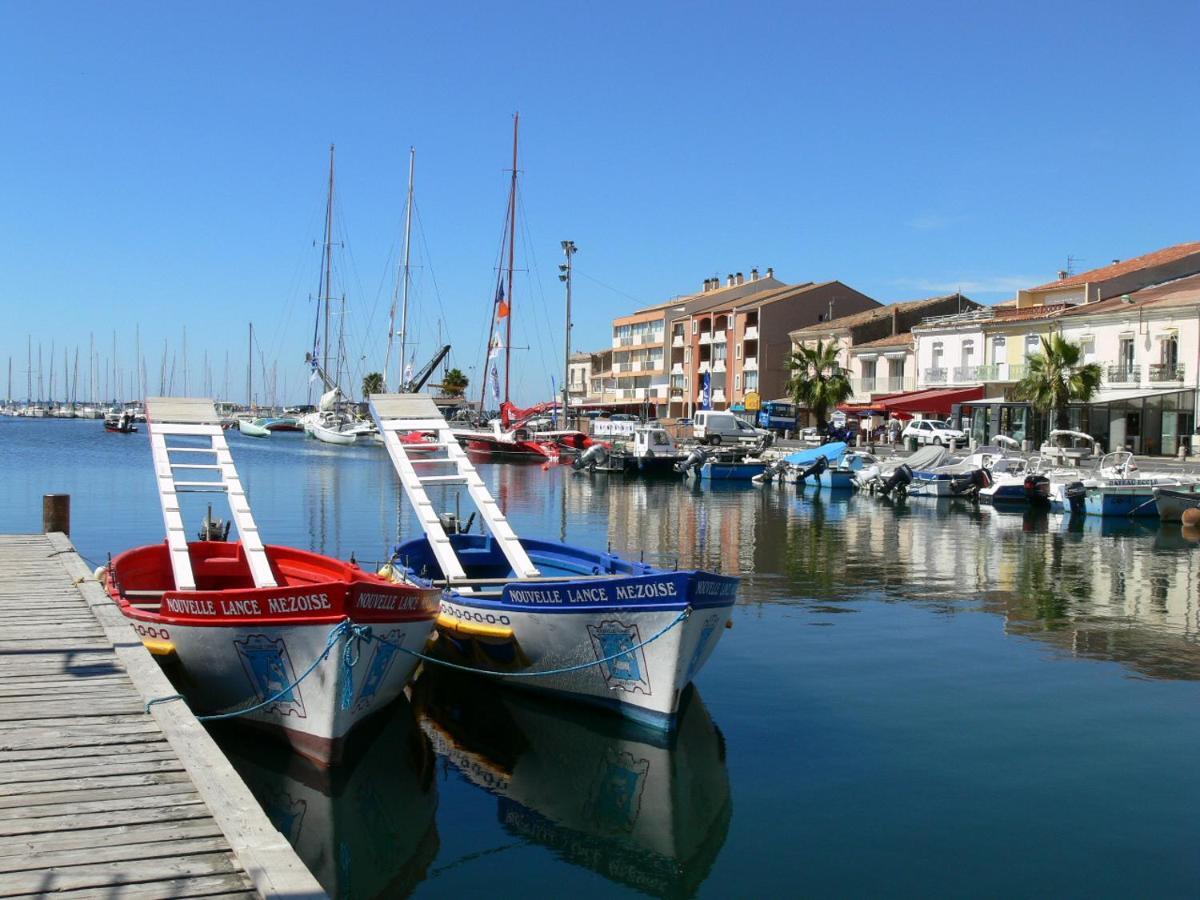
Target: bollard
point(56, 513)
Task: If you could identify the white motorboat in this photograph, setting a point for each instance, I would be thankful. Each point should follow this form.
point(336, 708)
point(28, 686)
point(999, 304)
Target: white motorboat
point(1067, 447)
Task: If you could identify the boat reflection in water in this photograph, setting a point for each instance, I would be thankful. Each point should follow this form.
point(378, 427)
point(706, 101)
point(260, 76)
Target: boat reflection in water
point(639, 807)
point(365, 828)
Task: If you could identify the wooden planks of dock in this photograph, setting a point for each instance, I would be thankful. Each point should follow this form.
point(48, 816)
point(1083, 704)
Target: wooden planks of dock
point(97, 796)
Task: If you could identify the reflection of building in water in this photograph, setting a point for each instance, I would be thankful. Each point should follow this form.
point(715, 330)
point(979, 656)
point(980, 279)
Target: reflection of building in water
point(623, 801)
point(365, 828)
point(675, 522)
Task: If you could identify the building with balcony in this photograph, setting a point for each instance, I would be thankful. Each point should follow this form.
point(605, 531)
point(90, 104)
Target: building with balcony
point(1117, 278)
point(742, 345)
point(876, 346)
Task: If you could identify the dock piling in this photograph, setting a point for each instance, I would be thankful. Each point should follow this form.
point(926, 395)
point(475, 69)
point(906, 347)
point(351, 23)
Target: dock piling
point(56, 513)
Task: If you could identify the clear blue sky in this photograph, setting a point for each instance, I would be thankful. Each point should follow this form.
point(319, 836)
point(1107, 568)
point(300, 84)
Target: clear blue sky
point(164, 163)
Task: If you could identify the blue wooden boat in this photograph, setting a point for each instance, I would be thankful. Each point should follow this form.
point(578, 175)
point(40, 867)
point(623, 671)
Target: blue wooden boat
point(833, 451)
point(563, 619)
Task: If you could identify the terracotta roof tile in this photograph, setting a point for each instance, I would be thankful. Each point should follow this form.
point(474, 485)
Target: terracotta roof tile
point(871, 315)
point(1124, 267)
point(1180, 292)
point(892, 340)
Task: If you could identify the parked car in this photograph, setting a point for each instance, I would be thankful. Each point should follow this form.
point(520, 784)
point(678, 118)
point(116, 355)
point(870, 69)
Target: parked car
point(717, 427)
point(934, 431)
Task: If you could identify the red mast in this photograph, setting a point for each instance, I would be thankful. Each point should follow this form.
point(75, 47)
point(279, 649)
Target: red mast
point(512, 227)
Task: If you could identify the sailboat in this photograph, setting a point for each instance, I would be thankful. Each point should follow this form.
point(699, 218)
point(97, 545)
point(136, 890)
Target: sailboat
point(330, 423)
point(510, 436)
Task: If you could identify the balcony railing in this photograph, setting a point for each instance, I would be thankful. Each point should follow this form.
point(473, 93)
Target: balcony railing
point(677, 369)
point(718, 365)
point(706, 337)
point(895, 383)
point(1124, 375)
point(1165, 372)
point(865, 385)
point(751, 333)
point(936, 376)
point(750, 364)
point(705, 366)
point(677, 341)
point(719, 337)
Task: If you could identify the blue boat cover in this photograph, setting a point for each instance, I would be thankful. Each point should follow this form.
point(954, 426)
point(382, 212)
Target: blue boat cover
point(832, 451)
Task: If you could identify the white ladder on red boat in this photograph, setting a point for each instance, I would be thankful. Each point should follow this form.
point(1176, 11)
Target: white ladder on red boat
point(190, 417)
point(397, 414)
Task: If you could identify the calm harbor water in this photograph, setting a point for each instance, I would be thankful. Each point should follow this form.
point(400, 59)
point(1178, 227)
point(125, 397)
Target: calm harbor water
point(914, 699)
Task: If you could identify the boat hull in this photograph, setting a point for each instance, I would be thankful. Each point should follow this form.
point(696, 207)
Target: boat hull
point(1115, 499)
point(732, 471)
point(329, 436)
point(232, 646)
point(1171, 504)
point(249, 429)
point(578, 622)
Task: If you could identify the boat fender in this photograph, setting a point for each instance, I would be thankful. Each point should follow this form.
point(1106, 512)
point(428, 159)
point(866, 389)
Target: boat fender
point(100, 573)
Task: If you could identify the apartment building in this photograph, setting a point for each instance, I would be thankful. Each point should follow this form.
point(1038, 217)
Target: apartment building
point(740, 345)
point(640, 367)
point(876, 346)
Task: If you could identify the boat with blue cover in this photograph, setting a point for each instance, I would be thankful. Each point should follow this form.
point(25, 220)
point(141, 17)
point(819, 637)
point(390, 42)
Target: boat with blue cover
point(567, 620)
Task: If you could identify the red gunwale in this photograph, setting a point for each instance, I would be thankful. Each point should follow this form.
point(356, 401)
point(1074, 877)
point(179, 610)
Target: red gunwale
point(225, 593)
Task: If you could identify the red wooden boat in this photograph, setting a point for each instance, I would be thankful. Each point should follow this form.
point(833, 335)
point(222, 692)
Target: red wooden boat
point(286, 639)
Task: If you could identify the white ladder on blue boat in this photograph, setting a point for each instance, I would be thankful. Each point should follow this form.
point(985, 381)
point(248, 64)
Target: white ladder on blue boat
point(397, 414)
point(191, 417)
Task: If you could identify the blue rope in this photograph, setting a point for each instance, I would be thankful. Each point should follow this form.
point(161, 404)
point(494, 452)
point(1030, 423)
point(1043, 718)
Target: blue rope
point(334, 635)
point(352, 653)
point(559, 671)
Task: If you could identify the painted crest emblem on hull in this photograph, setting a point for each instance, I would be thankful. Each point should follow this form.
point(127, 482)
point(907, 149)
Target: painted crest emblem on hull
point(627, 672)
point(382, 658)
point(269, 669)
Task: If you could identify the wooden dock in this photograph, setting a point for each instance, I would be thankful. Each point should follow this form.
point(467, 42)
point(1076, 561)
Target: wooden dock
point(97, 796)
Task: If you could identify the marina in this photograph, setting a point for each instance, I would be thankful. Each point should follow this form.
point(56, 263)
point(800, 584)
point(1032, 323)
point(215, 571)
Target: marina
point(502, 453)
point(886, 628)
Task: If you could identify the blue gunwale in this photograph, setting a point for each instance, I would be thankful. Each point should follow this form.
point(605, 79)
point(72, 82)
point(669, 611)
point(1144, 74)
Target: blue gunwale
point(482, 558)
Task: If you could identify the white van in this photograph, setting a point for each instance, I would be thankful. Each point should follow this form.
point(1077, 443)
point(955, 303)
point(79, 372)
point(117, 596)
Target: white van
point(712, 427)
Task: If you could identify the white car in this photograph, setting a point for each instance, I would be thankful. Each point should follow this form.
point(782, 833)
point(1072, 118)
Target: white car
point(934, 431)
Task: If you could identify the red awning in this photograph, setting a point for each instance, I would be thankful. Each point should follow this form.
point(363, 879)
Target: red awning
point(936, 401)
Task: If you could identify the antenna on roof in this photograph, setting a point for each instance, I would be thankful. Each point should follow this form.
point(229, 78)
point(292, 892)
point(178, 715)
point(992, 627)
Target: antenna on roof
point(1071, 260)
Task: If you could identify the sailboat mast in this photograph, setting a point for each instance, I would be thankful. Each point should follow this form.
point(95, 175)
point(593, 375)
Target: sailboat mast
point(412, 163)
point(250, 369)
point(512, 230)
point(328, 262)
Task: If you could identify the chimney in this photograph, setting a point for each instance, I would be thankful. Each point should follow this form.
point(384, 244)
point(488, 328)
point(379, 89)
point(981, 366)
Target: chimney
point(754, 274)
point(729, 280)
point(1062, 274)
point(770, 272)
point(739, 278)
point(1115, 261)
point(705, 291)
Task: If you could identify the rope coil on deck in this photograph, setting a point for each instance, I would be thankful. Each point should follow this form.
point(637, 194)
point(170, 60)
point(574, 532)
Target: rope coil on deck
point(352, 652)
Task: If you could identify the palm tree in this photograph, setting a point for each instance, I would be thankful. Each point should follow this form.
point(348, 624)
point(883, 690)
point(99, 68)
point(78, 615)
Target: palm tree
point(372, 384)
point(818, 380)
point(1055, 377)
point(454, 383)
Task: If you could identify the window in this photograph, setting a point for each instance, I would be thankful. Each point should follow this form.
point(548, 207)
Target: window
point(695, 327)
point(1169, 351)
point(737, 382)
point(968, 352)
point(868, 368)
point(1033, 345)
point(1125, 352)
point(737, 351)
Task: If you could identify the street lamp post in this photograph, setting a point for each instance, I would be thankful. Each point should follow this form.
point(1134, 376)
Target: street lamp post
point(569, 250)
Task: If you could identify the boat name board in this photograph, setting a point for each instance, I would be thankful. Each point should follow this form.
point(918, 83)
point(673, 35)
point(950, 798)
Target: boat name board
point(188, 606)
point(387, 601)
point(570, 595)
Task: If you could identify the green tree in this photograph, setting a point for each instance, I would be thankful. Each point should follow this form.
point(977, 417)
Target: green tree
point(372, 384)
point(1055, 377)
point(454, 383)
point(818, 380)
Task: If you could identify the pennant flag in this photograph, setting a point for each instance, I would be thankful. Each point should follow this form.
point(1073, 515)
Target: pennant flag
point(501, 306)
point(706, 392)
point(495, 382)
point(494, 350)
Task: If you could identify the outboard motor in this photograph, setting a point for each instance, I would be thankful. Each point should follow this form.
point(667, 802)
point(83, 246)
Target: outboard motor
point(899, 481)
point(213, 529)
point(771, 472)
point(452, 524)
point(819, 466)
point(590, 458)
point(1037, 489)
point(970, 484)
point(692, 462)
point(1076, 492)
